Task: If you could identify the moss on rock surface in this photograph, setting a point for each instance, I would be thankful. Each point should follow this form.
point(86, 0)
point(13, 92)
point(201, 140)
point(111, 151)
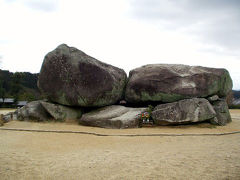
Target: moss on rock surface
point(62, 113)
point(169, 83)
point(70, 77)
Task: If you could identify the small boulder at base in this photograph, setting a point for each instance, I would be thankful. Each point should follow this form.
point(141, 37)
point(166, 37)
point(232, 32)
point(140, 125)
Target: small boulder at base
point(7, 117)
point(62, 113)
point(115, 117)
point(173, 82)
point(70, 77)
point(223, 115)
point(183, 111)
point(33, 111)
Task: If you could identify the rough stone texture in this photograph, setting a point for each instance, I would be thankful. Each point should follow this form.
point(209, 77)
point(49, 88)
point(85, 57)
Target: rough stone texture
point(115, 116)
point(32, 111)
point(183, 111)
point(7, 117)
point(62, 113)
point(213, 98)
point(70, 77)
point(42, 111)
point(170, 83)
point(223, 115)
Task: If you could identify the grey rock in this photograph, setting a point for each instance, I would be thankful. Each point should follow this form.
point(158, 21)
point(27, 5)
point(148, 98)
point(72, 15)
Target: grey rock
point(42, 111)
point(223, 115)
point(171, 82)
point(7, 117)
point(213, 98)
point(32, 111)
point(70, 77)
point(115, 116)
point(183, 111)
point(62, 113)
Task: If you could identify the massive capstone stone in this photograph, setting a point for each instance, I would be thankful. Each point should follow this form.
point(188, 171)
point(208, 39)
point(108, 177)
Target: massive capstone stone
point(70, 77)
point(183, 111)
point(115, 116)
point(170, 83)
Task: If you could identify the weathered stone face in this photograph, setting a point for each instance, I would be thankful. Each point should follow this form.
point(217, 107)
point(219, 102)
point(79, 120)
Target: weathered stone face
point(115, 117)
point(169, 83)
point(44, 111)
point(70, 77)
point(183, 111)
point(223, 115)
point(62, 113)
point(33, 111)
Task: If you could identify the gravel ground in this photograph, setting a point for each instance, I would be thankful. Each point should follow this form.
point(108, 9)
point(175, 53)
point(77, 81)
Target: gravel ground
point(45, 155)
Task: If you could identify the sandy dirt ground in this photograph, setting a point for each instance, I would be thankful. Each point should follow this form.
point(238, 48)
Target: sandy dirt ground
point(47, 155)
point(6, 110)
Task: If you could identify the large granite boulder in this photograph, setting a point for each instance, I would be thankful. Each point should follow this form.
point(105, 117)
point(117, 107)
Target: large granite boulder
point(223, 115)
point(70, 77)
point(62, 113)
point(170, 83)
point(183, 111)
point(115, 116)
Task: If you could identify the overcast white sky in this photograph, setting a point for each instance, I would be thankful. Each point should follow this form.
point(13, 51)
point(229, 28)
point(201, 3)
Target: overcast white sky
point(124, 33)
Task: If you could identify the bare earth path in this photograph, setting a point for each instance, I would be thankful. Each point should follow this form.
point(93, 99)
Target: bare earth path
point(42, 155)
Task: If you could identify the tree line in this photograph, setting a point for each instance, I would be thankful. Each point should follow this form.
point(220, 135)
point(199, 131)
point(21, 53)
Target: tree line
point(21, 86)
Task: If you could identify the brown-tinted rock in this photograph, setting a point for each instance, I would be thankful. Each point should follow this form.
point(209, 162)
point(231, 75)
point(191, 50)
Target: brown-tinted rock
point(169, 83)
point(115, 117)
point(70, 77)
point(183, 111)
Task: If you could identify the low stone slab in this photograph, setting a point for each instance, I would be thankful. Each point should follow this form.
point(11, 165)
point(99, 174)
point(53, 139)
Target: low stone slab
point(62, 113)
point(223, 115)
point(183, 111)
point(44, 111)
point(115, 117)
point(32, 111)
